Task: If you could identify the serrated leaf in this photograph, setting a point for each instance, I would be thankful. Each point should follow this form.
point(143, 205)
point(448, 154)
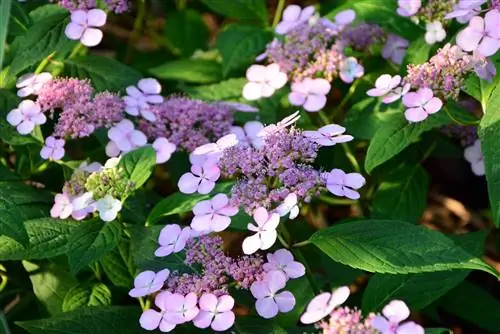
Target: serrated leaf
point(11, 224)
point(85, 295)
point(95, 320)
point(138, 165)
point(225, 90)
point(240, 9)
point(118, 265)
point(105, 73)
point(5, 7)
point(418, 52)
point(90, 241)
point(394, 247)
point(402, 195)
point(178, 202)
point(19, 20)
point(187, 31)
point(189, 70)
point(239, 45)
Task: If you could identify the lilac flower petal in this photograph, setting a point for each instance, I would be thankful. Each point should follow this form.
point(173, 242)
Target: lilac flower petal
point(319, 86)
point(203, 319)
point(416, 114)
point(434, 105)
point(266, 308)
point(252, 91)
point(208, 302)
point(396, 311)
point(74, 31)
point(25, 127)
point(410, 328)
point(285, 301)
point(149, 86)
point(351, 194)
point(488, 46)
point(251, 244)
point(150, 319)
point(223, 321)
point(276, 280)
point(188, 183)
point(96, 18)
point(256, 73)
point(291, 13)
point(206, 186)
point(91, 37)
point(295, 269)
point(315, 102)
point(381, 324)
point(14, 117)
point(259, 289)
point(354, 180)
point(79, 16)
point(296, 98)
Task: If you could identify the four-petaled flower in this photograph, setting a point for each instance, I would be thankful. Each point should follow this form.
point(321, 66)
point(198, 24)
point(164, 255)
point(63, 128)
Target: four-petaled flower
point(323, 304)
point(139, 99)
point(269, 300)
point(265, 231)
point(31, 83)
point(395, 49)
point(282, 261)
point(350, 70)
point(408, 7)
point(293, 16)
point(26, 116)
point(465, 10)
point(108, 208)
point(213, 215)
point(393, 314)
point(215, 313)
point(126, 137)
point(475, 157)
point(434, 32)
point(152, 319)
point(201, 179)
point(481, 35)
point(172, 239)
point(289, 206)
point(387, 86)
point(309, 93)
point(62, 208)
point(53, 149)
point(263, 81)
point(341, 184)
point(421, 104)
point(83, 26)
point(164, 149)
point(148, 282)
point(328, 135)
point(248, 135)
point(181, 309)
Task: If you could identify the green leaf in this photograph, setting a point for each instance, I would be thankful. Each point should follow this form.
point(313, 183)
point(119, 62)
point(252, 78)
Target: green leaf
point(11, 224)
point(187, 31)
point(5, 7)
point(138, 165)
point(403, 195)
point(90, 241)
point(397, 134)
point(84, 295)
point(178, 203)
point(20, 193)
point(480, 89)
point(95, 320)
point(436, 330)
point(189, 70)
point(418, 52)
point(251, 10)
point(105, 73)
point(394, 247)
point(225, 90)
point(488, 134)
point(6, 174)
point(239, 45)
point(257, 325)
point(20, 21)
point(118, 265)
point(47, 238)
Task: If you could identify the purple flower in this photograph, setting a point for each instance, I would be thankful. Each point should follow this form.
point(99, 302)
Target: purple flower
point(126, 137)
point(328, 135)
point(465, 10)
point(248, 135)
point(482, 35)
point(82, 26)
point(350, 70)
point(341, 184)
point(31, 83)
point(201, 179)
point(53, 149)
point(164, 149)
point(152, 319)
point(181, 309)
point(148, 282)
point(215, 312)
point(395, 49)
point(26, 116)
point(269, 301)
point(408, 7)
point(263, 81)
point(62, 207)
point(421, 104)
point(323, 304)
point(140, 98)
point(293, 16)
point(172, 239)
point(394, 313)
point(213, 215)
point(289, 206)
point(434, 32)
point(282, 261)
point(475, 157)
point(265, 231)
point(344, 18)
point(484, 68)
point(309, 93)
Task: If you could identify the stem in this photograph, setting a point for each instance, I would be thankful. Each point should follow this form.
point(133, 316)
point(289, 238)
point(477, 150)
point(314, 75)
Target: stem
point(283, 241)
point(465, 123)
point(4, 323)
point(44, 63)
point(278, 12)
point(351, 157)
point(138, 24)
point(324, 118)
point(336, 201)
point(76, 50)
point(301, 244)
point(346, 98)
point(142, 303)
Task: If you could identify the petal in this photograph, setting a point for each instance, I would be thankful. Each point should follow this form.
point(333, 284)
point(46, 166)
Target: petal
point(295, 269)
point(223, 321)
point(46, 152)
point(410, 328)
point(310, 317)
point(23, 92)
point(306, 13)
point(169, 234)
point(285, 301)
point(205, 186)
point(354, 180)
point(26, 80)
point(260, 216)
point(478, 168)
point(335, 189)
point(315, 102)
point(25, 127)
point(203, 208)
point(433, 106)
point(415, 114)
point(251, 244)
point(469, 38)
point(351, 194)
point(285, 26)
point(396, 311)
point(202, 223)
point(79, 16)
point(134, 92)
point(320, 87)
point(39, 119)
point(259, 289)
point(339, 296)
point(203, 319)
point(291, 13)
point(488, 46)
point(96, 18)
point(166, 327)
point(276, 280)
point(138, 138)
point(208, 302)
point(149, 86)
point(266, 308)
point(268, 238)
point(150, 319)
point(225, 303)
point(252, 91)
point(282, 256)
point(188, 183)
point(336, 177)
point(492, 23)
point(112, 150)
point(91, 37)
point(297, 99)
point(279, 80)
point(345, 17)
point(14, 117)
point(381, 324)
point(220, 223)
point(74, 31)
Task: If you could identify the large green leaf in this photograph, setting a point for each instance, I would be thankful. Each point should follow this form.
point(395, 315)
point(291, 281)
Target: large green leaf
point(241, 9)
point(118, 265)
point(5, 7)
point(95, 320)
point(187, 31)
point(84, 295)
point(489, 130)
point(394, 247)
point(90, 241)
point(418, 53)
point(138, 165)
point(189, 70)
point(225, 90)
point(11, 224)
point(239, 45)
point(403, 195)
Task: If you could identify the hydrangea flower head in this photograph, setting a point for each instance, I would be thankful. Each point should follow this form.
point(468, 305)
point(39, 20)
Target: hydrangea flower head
point(309, 93)
point(265, 231)
point(269, 301)
point(393, 314)
point(282, 261)
point(53, 148)
point(387, 86)
point(481, 35)
point(263, 81)
point(475, 157)
point(408, 7)
point(172, 239)
point(324, 303)
point(421, 104)
point(31, 83)
point(213, 215)
point(148, 282)
point(328, 135)
point(341, 184)
point(215, 312)
point(140, 98)
point(293, 16)
point(83, 26)
point(26, 116)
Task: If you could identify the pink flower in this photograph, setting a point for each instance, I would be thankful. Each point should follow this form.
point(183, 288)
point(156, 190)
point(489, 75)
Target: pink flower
point(181, 309)
point(62, 207)
point(421, 104)
point(475, 157)
point(31, 83)
point(248, 135)
point(126, 137)
point(265, 231)
point(309, 93)
point(328, 135)
point(139, 99)
point(164, 149)
point(152, 319)
point(211, 153)
point(213, 215)
point(282, 261)
point(289, 206)
point(148, 282)
point(465, 10)
point(388, 87)
point(201, 179)
point(350, 70)
point(408, 7)
point(263, 81)
point(341, 184)
point(293, 16)
point(395, 49)
point(82, 26)
point(394, 313)
point(269, 301)
point(53, 149)
point(26, 116)
point(172, 239)
point(481, 35)
point(215, 312)
point(323, 304)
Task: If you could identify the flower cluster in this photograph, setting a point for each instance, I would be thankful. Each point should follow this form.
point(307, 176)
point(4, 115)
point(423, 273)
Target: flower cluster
point(202, 296)
point(347, 320)
point(117, 6)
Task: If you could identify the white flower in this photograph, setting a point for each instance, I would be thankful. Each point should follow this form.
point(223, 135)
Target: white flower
point(435, 32)
point(328, 135)
point(289, 206)
point(265, 231)
point(82, 26)
point(475, 157)
point(26, 116)
point(141, 97)
point(263, 81)
point(108, 208)
point(31, 83)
